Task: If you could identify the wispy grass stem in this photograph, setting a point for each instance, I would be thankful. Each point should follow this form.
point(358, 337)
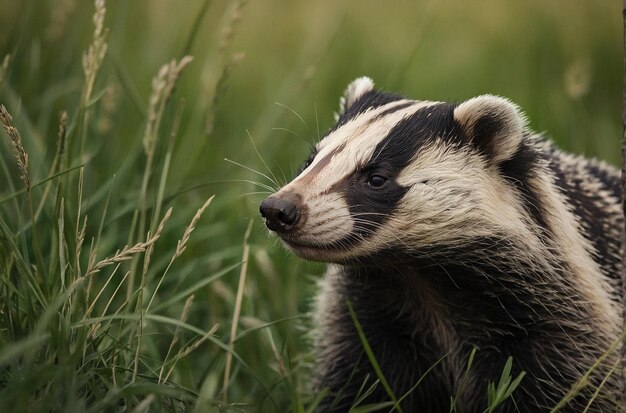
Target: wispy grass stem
point(237, 311)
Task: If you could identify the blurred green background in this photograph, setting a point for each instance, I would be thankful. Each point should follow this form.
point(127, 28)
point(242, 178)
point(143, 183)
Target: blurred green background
point(269, 73)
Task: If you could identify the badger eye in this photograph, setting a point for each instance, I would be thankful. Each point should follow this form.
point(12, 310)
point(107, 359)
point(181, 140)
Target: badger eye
point(376, 181)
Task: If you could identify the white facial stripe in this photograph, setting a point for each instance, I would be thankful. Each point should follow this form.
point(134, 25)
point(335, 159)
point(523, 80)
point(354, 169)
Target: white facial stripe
point(452, 172)
point(354, 143)
point(428, 162)
point(455, 170)
point(354, 127)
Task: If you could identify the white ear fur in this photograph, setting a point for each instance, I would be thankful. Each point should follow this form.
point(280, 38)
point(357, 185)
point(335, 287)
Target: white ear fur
point(357, 88)
point(494, 124)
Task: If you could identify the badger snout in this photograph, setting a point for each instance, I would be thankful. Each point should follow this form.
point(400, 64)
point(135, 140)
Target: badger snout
point(281, 212)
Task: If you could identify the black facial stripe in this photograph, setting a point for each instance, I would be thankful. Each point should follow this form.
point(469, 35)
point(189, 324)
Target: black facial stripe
point(518, 172)
point(369, 100)
point(393, 109)
point(391, 156)
point(401, 144)
point(371, 207)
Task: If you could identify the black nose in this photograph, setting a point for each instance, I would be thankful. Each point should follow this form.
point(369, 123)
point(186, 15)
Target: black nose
point(280, 213)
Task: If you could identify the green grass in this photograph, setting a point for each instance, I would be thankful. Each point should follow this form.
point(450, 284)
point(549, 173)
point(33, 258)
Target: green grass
point(102, 308)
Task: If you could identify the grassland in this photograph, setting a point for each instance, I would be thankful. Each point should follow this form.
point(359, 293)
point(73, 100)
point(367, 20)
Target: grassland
point(135, 274)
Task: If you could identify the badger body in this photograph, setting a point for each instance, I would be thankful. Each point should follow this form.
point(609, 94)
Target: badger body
point(452, 229)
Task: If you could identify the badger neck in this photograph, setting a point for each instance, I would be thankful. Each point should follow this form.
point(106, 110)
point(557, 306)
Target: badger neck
point(488, 289)
point(425, 316)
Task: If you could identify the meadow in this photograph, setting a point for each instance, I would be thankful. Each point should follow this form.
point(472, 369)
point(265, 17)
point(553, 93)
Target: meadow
point(140, 136)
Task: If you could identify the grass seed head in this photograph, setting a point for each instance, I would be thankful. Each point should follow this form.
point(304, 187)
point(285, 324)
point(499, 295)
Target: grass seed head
point(182, 243)
point(229, 29)
point(16, 143)
point(93, 57)
point(162, 88)
point(62, 134)
point(128, 253)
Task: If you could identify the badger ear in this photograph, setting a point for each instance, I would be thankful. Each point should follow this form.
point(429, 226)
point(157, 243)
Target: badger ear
point(357, 88)
point(493, 124)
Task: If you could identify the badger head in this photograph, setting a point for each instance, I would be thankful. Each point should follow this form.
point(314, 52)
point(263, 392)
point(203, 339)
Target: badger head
point(396, 174)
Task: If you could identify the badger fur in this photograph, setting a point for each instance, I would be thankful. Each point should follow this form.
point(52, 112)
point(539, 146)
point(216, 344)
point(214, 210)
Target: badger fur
point(452, 227)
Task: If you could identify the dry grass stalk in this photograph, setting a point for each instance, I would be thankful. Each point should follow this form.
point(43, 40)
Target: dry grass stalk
point(4, 68)
point(182, 319)
point(127, 252)
point(93, 57)
point(97, 326)
point(162, 88)
point(57, 164)
point(146, 262)
point(187, 350)
point(80, 239)
point(145, 405)
point(180, 247)
point(237, 311)
point(87, 313)
point(182, 243)
point(16, 143)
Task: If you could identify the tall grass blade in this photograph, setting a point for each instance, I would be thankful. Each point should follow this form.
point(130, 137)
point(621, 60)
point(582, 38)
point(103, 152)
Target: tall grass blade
point(236, 312)
point(372, 358)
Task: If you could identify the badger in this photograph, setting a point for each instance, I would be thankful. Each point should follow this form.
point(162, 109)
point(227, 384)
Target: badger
point(453, 231)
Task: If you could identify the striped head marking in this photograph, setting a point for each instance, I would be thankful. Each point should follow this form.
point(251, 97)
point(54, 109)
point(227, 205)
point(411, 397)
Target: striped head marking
point(396, 173)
